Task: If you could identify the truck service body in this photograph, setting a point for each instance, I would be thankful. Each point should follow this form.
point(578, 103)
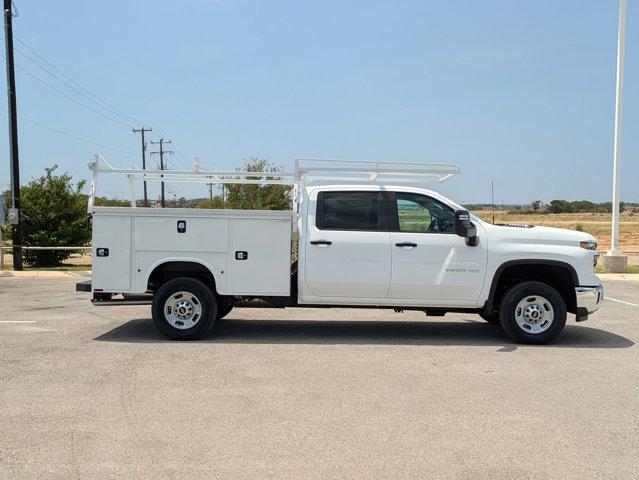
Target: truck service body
point(366, 237)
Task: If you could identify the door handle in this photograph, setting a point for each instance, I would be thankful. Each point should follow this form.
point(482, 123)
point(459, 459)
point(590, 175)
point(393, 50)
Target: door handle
point(406, 244)
point(321, 242)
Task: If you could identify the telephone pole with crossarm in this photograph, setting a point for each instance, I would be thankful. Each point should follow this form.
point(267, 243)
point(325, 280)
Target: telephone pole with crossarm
point(161, 152)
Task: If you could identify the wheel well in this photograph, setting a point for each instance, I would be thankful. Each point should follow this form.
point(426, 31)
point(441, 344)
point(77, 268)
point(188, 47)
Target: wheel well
point(559, 276)
point(170, 270)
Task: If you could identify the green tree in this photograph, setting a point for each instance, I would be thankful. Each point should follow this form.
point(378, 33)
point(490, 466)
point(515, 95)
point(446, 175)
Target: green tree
point(217, 202)
point(111, 202)
point(53, 214)
point(258, 197)
point(560, 206)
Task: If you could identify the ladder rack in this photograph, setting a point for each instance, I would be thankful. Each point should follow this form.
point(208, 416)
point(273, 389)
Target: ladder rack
point(313, 170)
point(308, 171)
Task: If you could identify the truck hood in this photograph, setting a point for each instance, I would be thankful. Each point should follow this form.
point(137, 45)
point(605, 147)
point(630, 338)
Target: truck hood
point(535, 234)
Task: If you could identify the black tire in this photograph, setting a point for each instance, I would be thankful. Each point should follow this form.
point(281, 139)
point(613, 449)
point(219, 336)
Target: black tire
point(508, 312)
point(223, 309)
point(203, 305)
point(492, 318)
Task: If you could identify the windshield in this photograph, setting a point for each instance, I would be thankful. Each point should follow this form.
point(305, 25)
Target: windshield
point(456, 206)
point(475, 218)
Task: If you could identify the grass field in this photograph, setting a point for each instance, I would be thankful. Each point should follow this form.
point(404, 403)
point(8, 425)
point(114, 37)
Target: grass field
point(597, 224)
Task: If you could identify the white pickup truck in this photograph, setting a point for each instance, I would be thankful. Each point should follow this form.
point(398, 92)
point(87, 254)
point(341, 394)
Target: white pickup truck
point(367, 237)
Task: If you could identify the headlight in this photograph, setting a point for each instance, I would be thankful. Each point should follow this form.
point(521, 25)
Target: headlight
point(589, 245)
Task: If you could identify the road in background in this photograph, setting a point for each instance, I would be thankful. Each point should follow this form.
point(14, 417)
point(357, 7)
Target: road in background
point(96, 392)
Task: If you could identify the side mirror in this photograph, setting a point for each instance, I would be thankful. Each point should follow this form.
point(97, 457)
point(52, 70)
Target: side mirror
point(465, 228)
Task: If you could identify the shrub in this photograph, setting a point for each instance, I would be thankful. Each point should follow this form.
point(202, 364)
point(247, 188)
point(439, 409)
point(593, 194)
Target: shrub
point(53, 214)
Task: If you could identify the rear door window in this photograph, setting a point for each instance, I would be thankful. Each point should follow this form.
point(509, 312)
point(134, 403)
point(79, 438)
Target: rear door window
point(349, 211)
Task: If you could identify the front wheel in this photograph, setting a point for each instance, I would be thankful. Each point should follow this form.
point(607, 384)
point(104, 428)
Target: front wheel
point(533, 313)
point(184, 309)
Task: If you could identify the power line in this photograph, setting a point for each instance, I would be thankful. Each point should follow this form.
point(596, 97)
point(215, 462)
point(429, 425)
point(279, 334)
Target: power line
point(182, 159)
point(96, 100)
point(159, 134)
point(23, 43)
point(69, 97)
point(70, 135)
point(68, 85)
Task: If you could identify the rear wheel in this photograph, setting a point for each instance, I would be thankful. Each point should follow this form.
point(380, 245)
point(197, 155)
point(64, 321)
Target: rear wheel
point(184, 309)
point(532, 312)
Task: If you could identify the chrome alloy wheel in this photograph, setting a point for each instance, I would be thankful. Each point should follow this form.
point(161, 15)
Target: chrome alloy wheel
point(182, 310)
point(534, 314)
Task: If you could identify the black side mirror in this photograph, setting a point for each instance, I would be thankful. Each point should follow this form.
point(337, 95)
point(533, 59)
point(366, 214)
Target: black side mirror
point(465, 228)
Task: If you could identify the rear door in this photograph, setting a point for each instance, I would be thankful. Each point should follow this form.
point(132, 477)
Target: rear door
point(348, 251)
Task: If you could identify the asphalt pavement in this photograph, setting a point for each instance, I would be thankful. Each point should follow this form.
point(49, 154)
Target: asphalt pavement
point(97, 392)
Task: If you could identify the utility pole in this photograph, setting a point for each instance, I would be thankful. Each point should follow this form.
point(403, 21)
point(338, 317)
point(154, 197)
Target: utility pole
point(161, 153)
point(211, 193)
point(143, 131)
point(14, 213)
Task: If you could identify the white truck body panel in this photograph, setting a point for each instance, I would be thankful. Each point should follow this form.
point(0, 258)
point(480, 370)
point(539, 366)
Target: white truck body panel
point(140, 239)
point(441, 272)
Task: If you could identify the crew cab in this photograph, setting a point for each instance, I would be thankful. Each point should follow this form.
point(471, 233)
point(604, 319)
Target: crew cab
point(368, 234)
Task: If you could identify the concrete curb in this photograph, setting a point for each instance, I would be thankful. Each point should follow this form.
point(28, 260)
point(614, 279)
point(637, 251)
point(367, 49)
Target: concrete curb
point(619, 276)
point(43, 274)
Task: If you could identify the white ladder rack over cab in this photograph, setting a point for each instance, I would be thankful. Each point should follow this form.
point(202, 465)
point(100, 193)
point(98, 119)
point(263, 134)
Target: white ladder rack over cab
point(307, 171)
point(315, 170)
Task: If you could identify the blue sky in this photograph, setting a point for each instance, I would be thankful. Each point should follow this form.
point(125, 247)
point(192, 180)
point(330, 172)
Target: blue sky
point(521, 92)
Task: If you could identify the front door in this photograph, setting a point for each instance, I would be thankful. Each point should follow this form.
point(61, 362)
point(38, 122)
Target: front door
point(348, 251)
point(429, 261)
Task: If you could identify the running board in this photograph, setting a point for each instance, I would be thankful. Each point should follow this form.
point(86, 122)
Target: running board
point(103, 299)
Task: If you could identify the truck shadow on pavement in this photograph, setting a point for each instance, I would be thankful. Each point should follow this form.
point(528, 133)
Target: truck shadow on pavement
point(322, 332)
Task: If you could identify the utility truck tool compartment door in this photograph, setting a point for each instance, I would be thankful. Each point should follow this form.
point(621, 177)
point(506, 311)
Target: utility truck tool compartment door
point(111, 253)
point(259, 259)
point(184, 234)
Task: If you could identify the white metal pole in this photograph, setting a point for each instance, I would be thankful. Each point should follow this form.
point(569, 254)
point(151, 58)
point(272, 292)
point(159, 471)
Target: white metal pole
point(616, 171)
point(132, 188)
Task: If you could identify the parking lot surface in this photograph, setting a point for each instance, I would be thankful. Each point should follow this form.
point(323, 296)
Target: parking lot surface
point(96, 392)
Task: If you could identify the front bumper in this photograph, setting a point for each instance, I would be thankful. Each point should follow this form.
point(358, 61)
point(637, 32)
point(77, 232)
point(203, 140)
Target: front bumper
point(588, 300)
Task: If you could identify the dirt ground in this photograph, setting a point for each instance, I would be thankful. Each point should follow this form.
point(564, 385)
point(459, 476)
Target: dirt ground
point(596, 224)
